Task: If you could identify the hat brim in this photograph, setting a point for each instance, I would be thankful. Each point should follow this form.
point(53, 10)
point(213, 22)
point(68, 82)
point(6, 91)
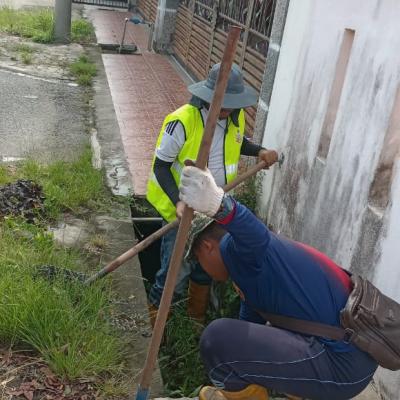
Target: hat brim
point(188, 254)
point(247, 98)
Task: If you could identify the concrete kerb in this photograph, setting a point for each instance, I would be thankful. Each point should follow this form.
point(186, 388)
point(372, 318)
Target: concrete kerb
point(128, 280)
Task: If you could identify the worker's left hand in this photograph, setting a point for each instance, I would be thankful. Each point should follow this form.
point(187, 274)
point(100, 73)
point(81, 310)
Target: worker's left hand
point(199, 190)
point(270, 157)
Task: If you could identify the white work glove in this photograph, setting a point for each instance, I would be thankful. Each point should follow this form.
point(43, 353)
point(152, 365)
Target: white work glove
point(199, 191)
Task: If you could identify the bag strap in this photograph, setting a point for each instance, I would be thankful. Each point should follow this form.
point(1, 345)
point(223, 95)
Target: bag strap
point(308, 327)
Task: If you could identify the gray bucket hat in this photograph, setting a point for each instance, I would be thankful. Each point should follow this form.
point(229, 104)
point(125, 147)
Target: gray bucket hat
point(199, 223)
point(237, 94)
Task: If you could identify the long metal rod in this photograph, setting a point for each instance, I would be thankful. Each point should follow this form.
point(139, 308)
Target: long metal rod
point(184, 226)
point(123, 36)
point(132, 252)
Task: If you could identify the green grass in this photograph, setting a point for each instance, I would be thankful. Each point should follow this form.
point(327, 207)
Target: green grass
point(63, 321)
point(26, 58)
point(249, 191)
point(67, 186)
point(83, 70)
point(25, 245)
point(24, 48)
point(4, 175)
point(180, 363)
point(82, 31)
point(37, 25)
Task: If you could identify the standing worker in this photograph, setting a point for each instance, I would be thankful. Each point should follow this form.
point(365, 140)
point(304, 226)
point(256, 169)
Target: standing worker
point(179, 140)
point(272, 275)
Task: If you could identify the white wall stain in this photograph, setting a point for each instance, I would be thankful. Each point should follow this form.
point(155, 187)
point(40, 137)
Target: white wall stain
point(324, 202)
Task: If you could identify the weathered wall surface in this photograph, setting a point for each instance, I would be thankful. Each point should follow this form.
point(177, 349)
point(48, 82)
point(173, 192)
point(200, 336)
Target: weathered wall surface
point(346, 202)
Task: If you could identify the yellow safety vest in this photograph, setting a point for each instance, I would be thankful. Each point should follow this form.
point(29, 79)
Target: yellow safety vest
point(192, 121)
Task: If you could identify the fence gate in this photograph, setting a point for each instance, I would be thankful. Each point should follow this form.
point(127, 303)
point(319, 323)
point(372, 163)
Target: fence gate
point(201, 32)
point(104, 3)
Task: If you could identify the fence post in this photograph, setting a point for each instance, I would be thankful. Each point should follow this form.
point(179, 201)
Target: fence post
point(246, 31)
point(62, 21)
point(164, 25)
point(192, 4)
point(214, 20)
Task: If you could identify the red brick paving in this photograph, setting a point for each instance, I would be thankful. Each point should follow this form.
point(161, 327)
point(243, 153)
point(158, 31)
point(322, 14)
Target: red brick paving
point(145, 87)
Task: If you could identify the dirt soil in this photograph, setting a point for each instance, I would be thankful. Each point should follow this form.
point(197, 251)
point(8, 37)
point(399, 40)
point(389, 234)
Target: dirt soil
point(48, 61)
point(23, 375)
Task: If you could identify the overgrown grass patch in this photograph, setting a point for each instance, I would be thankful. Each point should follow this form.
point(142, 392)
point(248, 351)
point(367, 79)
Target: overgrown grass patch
point(82, 31)
point(26, 57)
point(180, 363)
point(64, 321)
point(83, 70)
point(24, 48)
point(67, 186)
point(4, 175)
point(249, 191)
point(37, 25)
point(26, 245)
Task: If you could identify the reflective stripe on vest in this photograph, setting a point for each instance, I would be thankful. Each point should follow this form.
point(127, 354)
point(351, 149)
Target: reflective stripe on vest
point(191, 119)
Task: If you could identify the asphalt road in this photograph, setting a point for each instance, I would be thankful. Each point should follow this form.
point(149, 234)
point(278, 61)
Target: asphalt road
point(40, 119)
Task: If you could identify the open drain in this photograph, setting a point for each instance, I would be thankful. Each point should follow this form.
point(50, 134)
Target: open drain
point(122, 47)
point(117, 48)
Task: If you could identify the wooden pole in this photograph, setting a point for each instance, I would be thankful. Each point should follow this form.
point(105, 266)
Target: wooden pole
point(113, 265)
point(132, 252)
point(184, 226)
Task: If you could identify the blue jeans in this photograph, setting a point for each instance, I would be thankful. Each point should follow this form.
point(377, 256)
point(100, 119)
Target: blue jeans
point(188, 270)
point(239, 353)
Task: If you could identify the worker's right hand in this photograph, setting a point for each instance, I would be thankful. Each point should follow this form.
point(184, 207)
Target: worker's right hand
point(199, 190)
point(180, 206)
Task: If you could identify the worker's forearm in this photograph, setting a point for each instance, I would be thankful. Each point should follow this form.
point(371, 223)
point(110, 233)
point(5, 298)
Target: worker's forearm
point(250, 149)
point(247, 231)
point(162, 171)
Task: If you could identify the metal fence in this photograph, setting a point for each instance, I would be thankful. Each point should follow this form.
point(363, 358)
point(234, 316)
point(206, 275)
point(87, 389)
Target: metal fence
point(201, 31)
point(104, 3)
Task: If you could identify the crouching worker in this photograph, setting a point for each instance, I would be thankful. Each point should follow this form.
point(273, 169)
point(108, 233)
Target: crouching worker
point(244, 358)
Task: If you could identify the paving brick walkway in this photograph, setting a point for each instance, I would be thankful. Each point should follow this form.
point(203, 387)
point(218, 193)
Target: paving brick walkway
point(145, 87)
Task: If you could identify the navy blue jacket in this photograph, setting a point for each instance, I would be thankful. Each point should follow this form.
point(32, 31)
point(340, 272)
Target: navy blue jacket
point(281, 276)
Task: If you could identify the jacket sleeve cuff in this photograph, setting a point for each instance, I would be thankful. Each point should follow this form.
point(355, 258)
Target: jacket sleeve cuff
point(226, 211)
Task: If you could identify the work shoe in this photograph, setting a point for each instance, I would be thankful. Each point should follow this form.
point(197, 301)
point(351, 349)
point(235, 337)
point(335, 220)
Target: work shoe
point(252, 392)
point(199, 297)
point(153, 310)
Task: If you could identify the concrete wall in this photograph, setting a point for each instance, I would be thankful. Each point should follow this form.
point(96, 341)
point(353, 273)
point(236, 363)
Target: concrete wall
point(345, 203)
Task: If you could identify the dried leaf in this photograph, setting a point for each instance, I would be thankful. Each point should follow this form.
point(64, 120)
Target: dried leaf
point(14, 392)
point(28, 395)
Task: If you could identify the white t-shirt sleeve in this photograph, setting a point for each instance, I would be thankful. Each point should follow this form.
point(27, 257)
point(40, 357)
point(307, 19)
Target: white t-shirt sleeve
point(172, 142)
